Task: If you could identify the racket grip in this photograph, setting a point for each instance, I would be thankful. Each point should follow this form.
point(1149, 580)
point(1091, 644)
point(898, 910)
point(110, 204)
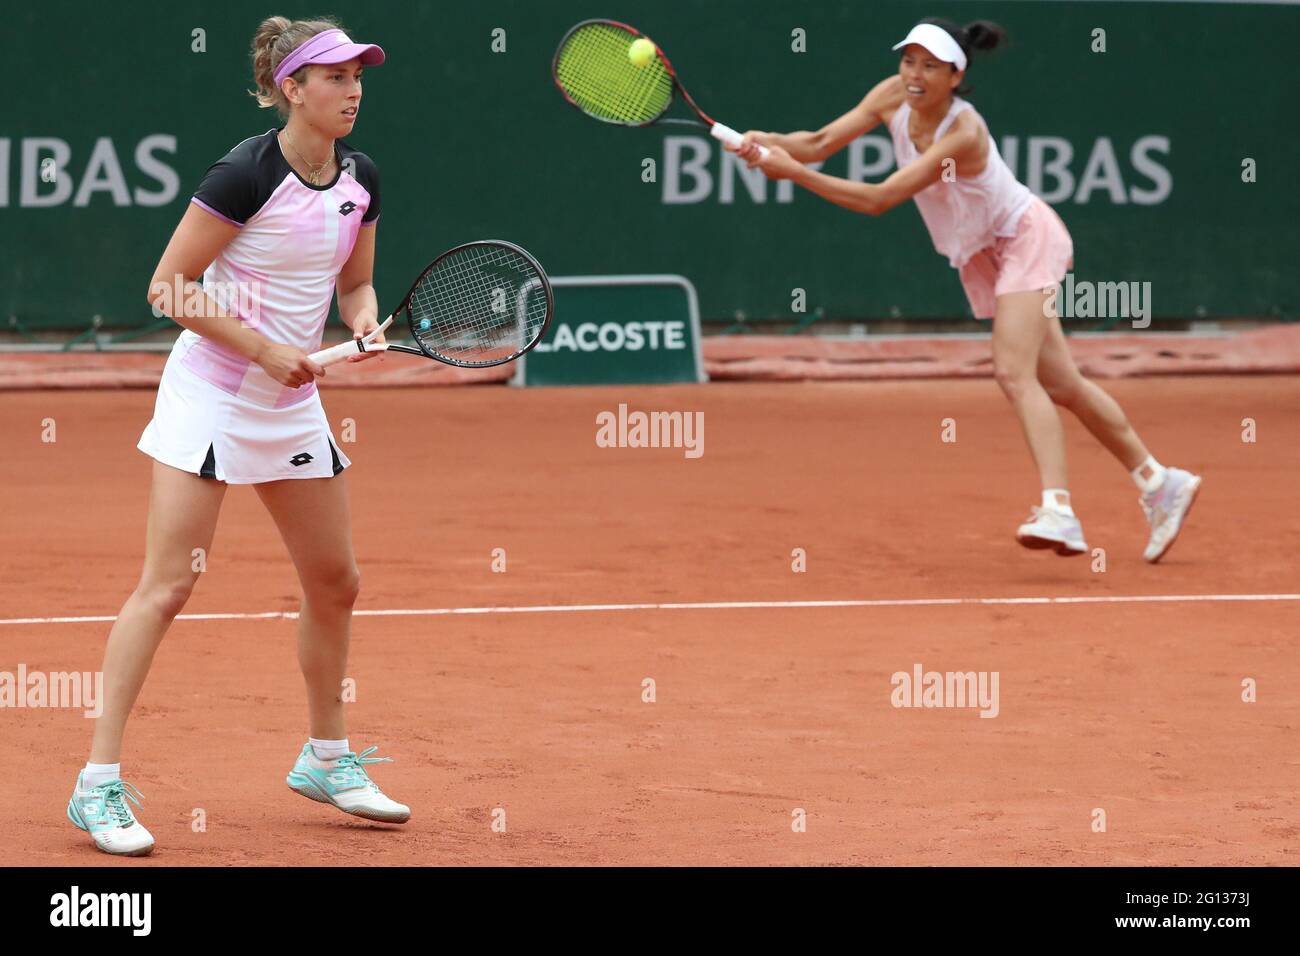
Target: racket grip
point(337, 353)
point(726, 134)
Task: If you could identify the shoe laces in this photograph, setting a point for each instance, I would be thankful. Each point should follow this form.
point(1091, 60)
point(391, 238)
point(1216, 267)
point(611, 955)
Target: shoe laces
point(352, 765)
point(112, 793)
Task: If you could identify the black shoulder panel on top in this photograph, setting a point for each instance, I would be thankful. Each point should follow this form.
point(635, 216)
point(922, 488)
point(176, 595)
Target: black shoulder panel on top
point(239, 184)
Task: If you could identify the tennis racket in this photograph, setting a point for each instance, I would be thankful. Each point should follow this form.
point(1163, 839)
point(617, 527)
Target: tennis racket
point(594, 73)
point(481, 304)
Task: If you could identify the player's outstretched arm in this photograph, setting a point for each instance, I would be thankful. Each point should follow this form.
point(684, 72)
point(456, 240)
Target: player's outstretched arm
point(957, 145)
point(814, 147)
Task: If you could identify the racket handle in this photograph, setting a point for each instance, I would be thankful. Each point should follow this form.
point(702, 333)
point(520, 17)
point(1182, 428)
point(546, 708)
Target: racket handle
point(733, 139)
point(337, 353)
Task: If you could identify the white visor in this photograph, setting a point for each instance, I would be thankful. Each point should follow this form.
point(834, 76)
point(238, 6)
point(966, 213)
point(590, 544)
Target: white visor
point(938, 41)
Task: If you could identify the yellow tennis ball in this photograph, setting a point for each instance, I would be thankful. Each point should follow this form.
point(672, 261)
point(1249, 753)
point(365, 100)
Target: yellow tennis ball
point(641, 52)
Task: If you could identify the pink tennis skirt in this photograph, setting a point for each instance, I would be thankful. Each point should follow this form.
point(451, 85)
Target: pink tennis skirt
point(1035, 258)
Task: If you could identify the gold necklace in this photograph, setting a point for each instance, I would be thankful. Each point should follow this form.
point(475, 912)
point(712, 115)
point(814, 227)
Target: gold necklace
point(314, 169)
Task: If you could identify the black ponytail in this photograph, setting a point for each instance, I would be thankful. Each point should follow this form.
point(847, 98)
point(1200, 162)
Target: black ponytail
point(980, 35)
point(984, 35)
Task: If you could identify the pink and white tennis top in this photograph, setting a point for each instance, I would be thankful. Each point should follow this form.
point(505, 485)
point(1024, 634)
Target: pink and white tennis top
point(968, 214)
point(278, 273)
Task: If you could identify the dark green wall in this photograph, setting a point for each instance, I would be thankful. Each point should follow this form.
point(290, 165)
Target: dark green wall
point(475, 144)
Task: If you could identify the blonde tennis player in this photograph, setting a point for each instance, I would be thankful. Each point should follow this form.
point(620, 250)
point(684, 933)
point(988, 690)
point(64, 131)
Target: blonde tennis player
point(1009, 246)
point(277, 227)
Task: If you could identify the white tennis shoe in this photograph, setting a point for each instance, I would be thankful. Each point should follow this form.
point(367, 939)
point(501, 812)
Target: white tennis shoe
point(1166, 508)
point(1048, 528)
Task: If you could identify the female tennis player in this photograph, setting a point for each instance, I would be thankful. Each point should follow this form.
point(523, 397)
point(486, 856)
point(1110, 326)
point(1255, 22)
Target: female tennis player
point(1011, 249)
point(277, 225)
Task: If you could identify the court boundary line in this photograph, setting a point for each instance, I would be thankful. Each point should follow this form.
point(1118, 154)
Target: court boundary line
point(697, 606)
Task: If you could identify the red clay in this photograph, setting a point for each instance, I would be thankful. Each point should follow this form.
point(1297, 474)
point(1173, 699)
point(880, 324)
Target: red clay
point(1134, 708)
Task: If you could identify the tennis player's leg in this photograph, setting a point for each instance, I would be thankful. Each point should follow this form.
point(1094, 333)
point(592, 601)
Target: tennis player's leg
point(1019, 331)
point(315, 522)
point(1167, 493)
point(1088, 401)
point(183, 510)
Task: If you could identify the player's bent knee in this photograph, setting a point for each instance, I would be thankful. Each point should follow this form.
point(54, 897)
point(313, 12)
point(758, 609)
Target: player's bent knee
point(1064, 394)
point(1013, 382)
point(166, 598)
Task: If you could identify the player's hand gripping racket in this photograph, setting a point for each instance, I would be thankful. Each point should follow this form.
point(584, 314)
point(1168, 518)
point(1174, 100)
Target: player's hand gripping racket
point(593, 69)
point(484, 303)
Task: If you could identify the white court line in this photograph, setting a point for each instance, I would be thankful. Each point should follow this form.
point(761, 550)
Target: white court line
point(698, 606)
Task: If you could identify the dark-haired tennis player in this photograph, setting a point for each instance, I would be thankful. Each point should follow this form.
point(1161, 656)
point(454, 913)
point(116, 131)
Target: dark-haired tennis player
point(277, 226)
point(1010, 248)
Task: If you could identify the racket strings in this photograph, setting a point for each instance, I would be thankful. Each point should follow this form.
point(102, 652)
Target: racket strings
point(594, 70)
point(479, 306)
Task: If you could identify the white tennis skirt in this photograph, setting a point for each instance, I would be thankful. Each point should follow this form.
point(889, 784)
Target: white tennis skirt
point(208, 431)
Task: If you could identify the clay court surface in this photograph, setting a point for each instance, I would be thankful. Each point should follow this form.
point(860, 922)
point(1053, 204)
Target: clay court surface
point(1133, 707)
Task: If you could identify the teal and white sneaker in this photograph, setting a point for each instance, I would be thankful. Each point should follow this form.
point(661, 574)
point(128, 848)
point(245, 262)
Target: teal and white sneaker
point(103, 813)
point(344, 783)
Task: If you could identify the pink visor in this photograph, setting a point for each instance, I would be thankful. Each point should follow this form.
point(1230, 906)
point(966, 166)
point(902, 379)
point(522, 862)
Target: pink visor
point(332, 46)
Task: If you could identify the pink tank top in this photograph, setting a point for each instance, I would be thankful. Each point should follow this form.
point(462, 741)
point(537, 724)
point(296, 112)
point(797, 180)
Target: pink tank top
point(967, 215)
